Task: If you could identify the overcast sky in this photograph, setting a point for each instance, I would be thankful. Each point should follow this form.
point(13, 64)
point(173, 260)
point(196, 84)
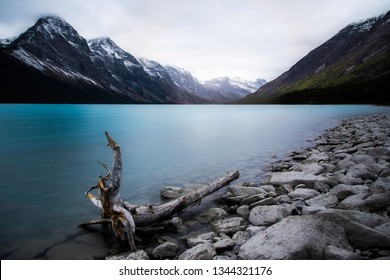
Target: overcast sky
point(210, 38)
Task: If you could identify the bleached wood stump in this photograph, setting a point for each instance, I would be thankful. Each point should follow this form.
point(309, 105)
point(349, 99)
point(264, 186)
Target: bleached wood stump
point(125, 217)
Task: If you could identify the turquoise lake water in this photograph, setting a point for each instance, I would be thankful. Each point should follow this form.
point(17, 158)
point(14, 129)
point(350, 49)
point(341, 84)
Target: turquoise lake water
point(49, 153)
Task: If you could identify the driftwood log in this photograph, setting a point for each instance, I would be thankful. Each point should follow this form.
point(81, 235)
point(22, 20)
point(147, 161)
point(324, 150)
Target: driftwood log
point(125, 217)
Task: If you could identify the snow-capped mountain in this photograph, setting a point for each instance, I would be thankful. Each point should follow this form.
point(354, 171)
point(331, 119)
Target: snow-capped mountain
point(54, 46)
point(234, 85)
point(113, 54)
point(54, 64)
point(217, 90)
point(129, 75)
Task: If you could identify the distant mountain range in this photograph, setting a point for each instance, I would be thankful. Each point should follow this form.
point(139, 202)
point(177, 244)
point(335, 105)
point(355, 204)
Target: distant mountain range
point(351, 67)
point(52, 63)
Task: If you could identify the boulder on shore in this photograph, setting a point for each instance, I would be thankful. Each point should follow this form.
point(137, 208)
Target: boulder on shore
point(295, 237)
point(293, 178)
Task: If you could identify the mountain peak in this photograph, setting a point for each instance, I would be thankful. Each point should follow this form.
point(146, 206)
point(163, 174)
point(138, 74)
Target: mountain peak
point(102, 40)
point(235, 84)
point(53, 25)
point(105, 45)
point(52, 20)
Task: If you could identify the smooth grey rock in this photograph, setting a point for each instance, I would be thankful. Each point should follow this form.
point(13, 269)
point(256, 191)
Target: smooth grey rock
point(368, 219)
point(311, 168)
point(361, 171)
point(381, 184)
point(377, 152)
point(384, 253)
point(352, 202)
point(224, 245)
point(336, 253)
point(268, 188)
point(171, 192)
point(282, 199)
point(226, 256)
point(342, 191)
point(301, 186)
point(329, 168)
point(365, 202)
point(295, 237)
point(166, 250)
point(327, 200)
point(332, 181)
point(265, 201)
point(229, 225)
point(310, 210)
point(284, 189)
point(365, 159)
point(303, 194)
point(385, 172)
point(321, 187)
point(252, 199)
point(384, 228)
point(318, 156)
point(138, 255)
point(348, 150)
point(267, 215)
point(245, 191)
point(359, 235)
point(200, 239)
point(240, 237)
point(252, 230)
point(211, 214)
point(236, 199)
point(347, 180)
point(243, 211)
point(345, 163)
point(204, 251)
point(293, 178)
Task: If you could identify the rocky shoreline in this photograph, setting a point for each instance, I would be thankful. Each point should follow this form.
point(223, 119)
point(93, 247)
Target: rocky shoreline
point(330, 201)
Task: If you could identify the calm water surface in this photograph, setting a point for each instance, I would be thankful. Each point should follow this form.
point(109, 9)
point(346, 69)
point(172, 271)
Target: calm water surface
point(49, 153)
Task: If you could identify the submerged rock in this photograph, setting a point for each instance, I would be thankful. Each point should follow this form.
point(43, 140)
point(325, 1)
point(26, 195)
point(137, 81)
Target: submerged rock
point(211, 214)
point(171, 192)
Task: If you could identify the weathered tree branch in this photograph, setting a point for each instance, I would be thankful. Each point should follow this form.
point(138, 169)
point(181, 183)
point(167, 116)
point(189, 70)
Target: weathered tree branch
point(123, 216)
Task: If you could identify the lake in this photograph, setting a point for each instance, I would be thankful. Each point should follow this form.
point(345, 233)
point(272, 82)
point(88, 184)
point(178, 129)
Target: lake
point(49, 157)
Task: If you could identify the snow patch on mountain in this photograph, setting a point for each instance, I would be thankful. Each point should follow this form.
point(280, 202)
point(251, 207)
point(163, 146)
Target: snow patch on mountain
point(364, 25)
point(235, 84)
point(54, 26)
point(27, 59)
point(151, 67)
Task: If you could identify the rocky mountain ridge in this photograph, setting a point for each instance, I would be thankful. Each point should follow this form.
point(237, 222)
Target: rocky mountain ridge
point(351, 67)
point(56, 65)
